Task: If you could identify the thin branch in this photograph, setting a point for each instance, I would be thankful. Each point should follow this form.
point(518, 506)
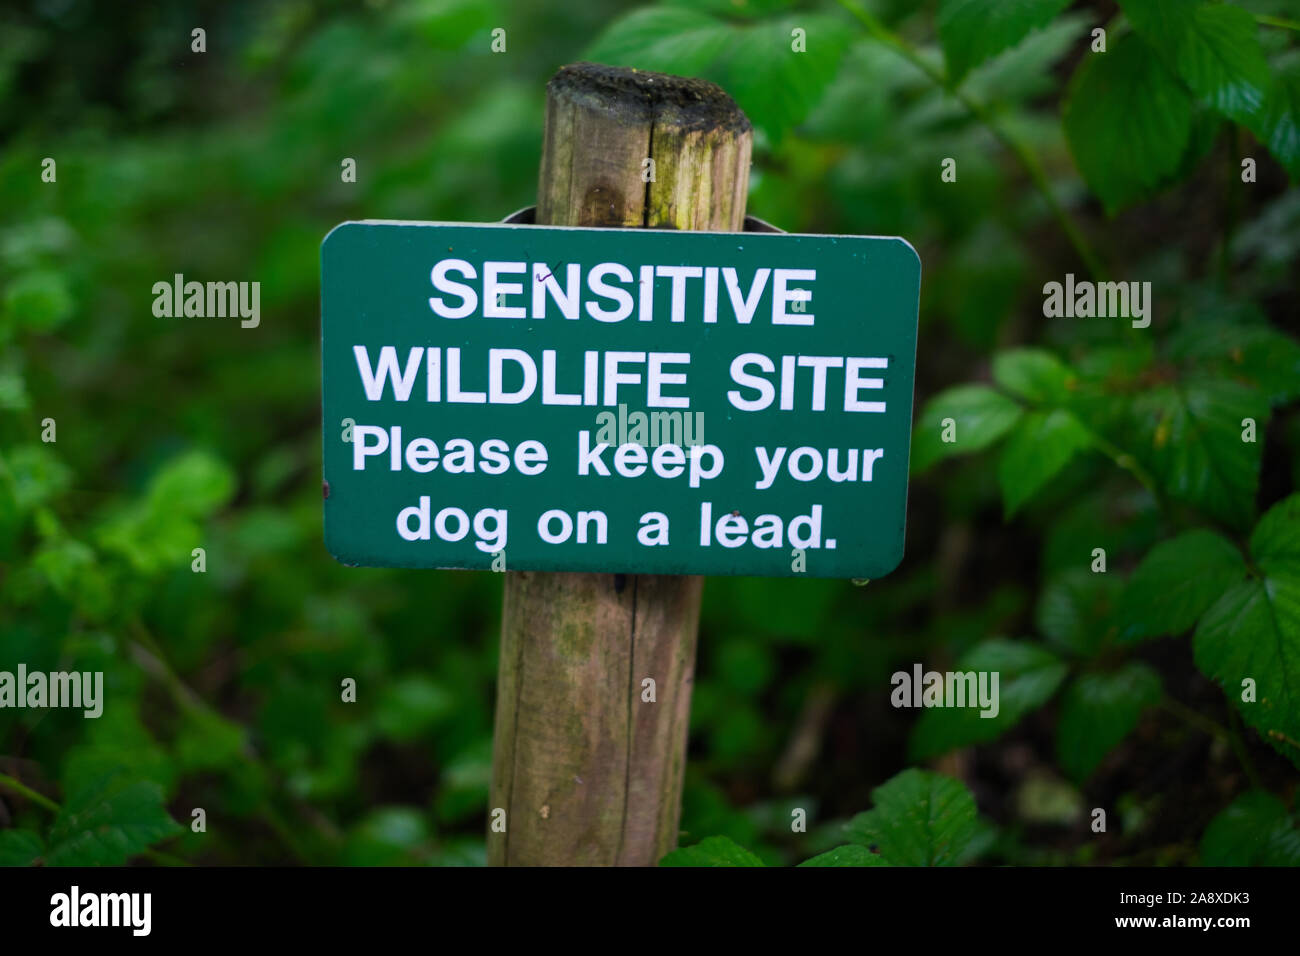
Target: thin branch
point(1239, 747)
point(1279, 22)
point(22, 790)
point(1195, 718)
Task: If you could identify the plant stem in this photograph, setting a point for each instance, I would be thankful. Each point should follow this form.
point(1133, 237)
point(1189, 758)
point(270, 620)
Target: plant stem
point(1239, 747)
point(1195, 718)
point(25, 791)
point(980, 111)
point(1215, 729)
point(148, 654)
point(1127, 462)
point(1277, 22)
point(1230, 207)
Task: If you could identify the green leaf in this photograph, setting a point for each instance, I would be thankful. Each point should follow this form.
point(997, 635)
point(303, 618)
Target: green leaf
point(1176, 582)
point(13, 388)
point(117, 741)
point(1075, 609)
point(206, 740)
point(1275, 542)
point(1028, 71)
point(1214, 48)
point(1253, 830)
point(107, 821)
point(1100, 710)
point(920, 818)
point(1243, 346)
point(1277, 123)
point(980, 417)
point(1189, 434)
point(775, 84)
point(194, 484)
point(446, 24)
point(1253, 632)
point(68, 565)
point(852, 854)
point(1041, 445)
point(38, 475)
point(162, 529)
point(40, 301)
point(972, 31)
point(712, 851)
point(409, 706)
point(1127, 121)
point(20, 848)
point(388, 836)
point(1036, 375)
point(1028, 674)
point(668, 39)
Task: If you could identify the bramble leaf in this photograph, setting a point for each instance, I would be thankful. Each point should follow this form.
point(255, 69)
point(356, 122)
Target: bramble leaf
point(1041, 445)
point(1127, 121)
point(851, 854)
point(1253, 633)
point(1100, 710)
point(1214, 49)
point(20, 848)
point(712, 851)
point(1036, 375)
point(920, 818)
point(107, 821)
point(972, 31)
point(1176, 582)
point(1028, 674)
point(1253, 830)
point(980, 417)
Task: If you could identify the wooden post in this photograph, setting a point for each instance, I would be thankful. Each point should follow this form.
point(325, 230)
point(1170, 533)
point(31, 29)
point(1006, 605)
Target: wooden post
point(587, 772)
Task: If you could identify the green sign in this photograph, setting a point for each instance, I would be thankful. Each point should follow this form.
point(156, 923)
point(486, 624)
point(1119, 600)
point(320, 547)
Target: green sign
point(540, 398)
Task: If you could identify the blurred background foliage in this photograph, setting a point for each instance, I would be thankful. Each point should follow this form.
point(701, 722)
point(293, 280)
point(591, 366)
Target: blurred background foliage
point(1073, 434)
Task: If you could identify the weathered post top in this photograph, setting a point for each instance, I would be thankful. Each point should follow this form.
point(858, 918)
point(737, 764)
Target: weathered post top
point(683, 102)
point(627, 147)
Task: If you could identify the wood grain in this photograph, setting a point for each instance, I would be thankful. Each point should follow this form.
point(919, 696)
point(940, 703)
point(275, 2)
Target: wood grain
point(587, 772)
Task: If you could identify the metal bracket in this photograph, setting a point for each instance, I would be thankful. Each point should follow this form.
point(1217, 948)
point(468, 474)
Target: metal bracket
point(528, 217)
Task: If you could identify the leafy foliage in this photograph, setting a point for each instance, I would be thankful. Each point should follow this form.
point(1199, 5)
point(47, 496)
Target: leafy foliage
point(1126, 145)
point(1099, 711)
point(1213, 48)
point(1254, 830)
point(1029, 675)
point(1092, 486)
point(1252, 633)
point(919, 819)
point(107, 821)
point(756, 63)
point(979, 415)
point(1177, 581)
point(972, 31)
point(712, 851)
